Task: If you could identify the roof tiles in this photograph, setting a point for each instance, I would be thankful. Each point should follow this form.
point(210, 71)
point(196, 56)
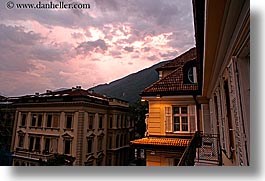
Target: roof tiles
point(162, 142)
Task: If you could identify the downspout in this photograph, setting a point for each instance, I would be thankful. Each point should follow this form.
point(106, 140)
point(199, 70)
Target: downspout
point(198, 108)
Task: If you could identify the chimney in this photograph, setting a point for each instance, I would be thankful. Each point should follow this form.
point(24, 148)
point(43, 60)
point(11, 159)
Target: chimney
point(37, 93)
point(78, 87)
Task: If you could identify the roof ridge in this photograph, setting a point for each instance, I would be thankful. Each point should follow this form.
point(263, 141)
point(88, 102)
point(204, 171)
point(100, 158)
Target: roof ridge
point(162, 79)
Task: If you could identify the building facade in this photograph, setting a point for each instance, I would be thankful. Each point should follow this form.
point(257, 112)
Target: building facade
point(72, 122)
point(223, 47)
point(7, 119)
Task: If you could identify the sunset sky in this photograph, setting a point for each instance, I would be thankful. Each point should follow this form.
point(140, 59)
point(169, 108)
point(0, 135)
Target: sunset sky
point(49, 49)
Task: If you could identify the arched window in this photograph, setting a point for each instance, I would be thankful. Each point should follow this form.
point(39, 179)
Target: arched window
point(192, 75)
point(190, 72)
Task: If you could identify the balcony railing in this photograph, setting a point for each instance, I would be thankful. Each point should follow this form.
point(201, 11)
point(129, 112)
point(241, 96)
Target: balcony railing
point(204, 149)
point(209, 153)
point(35, 155)
point(188, 157)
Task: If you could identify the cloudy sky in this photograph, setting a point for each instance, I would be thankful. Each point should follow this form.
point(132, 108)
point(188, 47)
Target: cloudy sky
point(48, 49)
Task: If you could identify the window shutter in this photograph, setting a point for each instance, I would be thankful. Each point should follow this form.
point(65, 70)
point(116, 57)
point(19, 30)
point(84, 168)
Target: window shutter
point(225, 120)
point(55, 121)
point(54, 145)
point(168, 119)
point(192, 118)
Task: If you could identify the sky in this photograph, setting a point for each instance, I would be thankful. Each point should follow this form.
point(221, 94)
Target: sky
point(43, 49)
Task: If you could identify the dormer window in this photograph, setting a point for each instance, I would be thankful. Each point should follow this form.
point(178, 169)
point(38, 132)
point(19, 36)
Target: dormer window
point(192, 75)
point(190, 72)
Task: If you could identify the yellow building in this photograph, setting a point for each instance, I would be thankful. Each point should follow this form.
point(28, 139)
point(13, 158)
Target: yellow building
point(172, 118)
point(72, 122)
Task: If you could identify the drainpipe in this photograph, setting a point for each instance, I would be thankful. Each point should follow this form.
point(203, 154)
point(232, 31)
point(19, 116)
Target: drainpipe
point(198, 108)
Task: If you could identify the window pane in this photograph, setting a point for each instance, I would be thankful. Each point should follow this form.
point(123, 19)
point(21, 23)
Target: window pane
point(184, 120)
point(89, 146)
point(69, 121)
point(49, 121)
point(175, 110)
point(39, 120)
point(184, 127)
point(184, 110)
point(21, 141)
point(176, 127)
point(100, 122)
point(190, 75)
point(37, 144)
point(176, 120)
point(33, 120)
point(23, 121)
point(110, 122)
point(47, 144)
point(90, 122)
point(31, 142)
point(67, 146)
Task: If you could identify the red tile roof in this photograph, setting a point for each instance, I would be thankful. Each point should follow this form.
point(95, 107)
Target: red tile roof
point(173, 83)
point(180, 60)
point(178, 142)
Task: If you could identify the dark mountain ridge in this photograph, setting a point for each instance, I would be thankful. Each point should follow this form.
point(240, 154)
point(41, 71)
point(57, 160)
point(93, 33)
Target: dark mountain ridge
point(128, 88)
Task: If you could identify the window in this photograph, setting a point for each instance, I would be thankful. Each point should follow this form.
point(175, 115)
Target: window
point(49, 121)
point(51, 145)
point(69, 119)
point(117, 141)
point(100, 140)
point(67, 146)
point(110, 122)
point(110, 142)
point(39, 124)
point(121, 140)
point(125, 139)
point(100, 124)
point(118, 121)
point(180, 119)
point(37, 144)
point(53, 121)
point(47, 144)
point(21, 141)
point(192, 75)
point(34, 143)
point(33, 119)
point(89, 145)
point(90, 121)
point(31, 143)
point(122, 121)
point(229, 117)
point(23, 120)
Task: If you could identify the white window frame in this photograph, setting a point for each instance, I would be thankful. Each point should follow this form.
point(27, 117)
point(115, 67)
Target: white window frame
point(180, 115)
point(169, 118)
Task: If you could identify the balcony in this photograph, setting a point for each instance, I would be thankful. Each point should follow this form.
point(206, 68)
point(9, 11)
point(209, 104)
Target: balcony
point(203, 150)
point(34, 155)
